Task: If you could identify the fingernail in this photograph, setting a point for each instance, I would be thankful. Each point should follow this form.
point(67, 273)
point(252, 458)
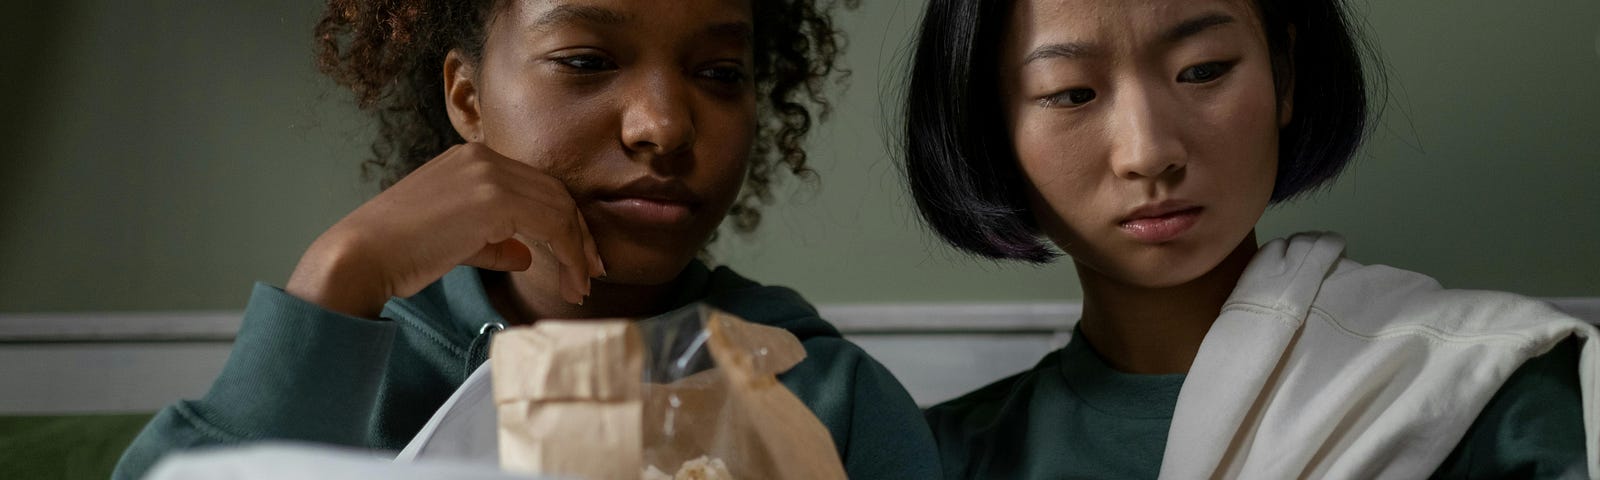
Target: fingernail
point(581, 299)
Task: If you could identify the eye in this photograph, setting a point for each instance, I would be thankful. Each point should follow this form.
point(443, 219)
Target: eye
point(587, 63)
point(725, 74)
point(1071, 98)
point(1205, 72)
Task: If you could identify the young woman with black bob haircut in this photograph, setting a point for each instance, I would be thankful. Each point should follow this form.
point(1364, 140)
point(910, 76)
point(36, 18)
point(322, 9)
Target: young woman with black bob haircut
point(542, 159)
point(1145, 138)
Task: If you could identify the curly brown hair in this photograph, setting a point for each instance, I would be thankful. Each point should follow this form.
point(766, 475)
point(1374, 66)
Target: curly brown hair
point(389, 52)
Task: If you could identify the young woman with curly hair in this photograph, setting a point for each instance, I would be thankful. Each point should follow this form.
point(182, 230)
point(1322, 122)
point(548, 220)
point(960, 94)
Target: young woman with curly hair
point(541, 159)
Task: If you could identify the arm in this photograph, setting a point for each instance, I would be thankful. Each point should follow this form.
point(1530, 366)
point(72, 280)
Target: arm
point(308, 362)
point(1532, 428)
point(297, 372)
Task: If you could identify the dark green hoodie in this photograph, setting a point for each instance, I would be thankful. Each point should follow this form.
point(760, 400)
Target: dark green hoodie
point(300, 372)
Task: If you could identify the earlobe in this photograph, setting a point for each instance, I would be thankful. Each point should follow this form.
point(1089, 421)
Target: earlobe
point(461, 95)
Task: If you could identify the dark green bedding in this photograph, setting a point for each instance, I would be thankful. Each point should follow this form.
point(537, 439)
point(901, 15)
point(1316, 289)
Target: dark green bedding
point(65, 447)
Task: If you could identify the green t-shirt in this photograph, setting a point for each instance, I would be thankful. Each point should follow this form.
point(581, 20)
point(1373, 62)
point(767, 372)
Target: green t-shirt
point(1073, 416)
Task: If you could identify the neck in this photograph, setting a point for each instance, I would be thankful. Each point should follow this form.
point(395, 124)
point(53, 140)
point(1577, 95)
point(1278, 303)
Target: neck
point(1158, 330)
point(531, 295)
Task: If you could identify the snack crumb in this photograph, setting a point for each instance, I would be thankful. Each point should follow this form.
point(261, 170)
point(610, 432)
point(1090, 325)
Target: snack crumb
point(703, 468)
point(653, 473)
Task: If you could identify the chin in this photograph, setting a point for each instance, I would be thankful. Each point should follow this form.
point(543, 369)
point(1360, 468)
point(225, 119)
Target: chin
point(643, 263)
point(1163, 277)
point(1164, 266)
point(1181, 264)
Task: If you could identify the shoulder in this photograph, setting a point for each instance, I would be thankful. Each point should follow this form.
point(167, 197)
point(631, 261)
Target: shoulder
point(837, 377)
point(992, 420)
point(873, 420)
point(982, 409)
point(1379, 300)
point(772, 305)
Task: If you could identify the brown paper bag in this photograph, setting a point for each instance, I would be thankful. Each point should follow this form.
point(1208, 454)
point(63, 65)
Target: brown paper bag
point(568, 397)
point(693, 392)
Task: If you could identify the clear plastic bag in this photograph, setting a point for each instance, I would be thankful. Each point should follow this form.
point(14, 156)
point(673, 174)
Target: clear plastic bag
point(688, 395)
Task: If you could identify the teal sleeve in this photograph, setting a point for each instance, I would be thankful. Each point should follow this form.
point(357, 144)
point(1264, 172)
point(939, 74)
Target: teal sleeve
point(1533, 426)
point(876, 426)
point(296, 372)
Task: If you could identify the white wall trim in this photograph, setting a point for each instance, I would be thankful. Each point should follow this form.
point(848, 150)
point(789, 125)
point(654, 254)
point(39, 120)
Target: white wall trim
point(900, 318)
point(181, 326)
point(71, 363)
point(952, 317)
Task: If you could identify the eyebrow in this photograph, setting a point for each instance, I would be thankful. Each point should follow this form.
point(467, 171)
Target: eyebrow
point(579, 13)
point(1069, 50)
point(1075, 50)
point(1195, 26)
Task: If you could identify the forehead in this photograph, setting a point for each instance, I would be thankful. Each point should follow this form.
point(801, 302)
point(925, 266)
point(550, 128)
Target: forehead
point(1114, 23)
point(554, 14)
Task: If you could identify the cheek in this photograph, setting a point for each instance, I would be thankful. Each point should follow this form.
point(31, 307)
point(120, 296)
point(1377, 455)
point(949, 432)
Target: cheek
point(725, 137)
point(542, 127)
point(1058, 162)
point(1051, 150)
point(1245, 160)
point(724, 131)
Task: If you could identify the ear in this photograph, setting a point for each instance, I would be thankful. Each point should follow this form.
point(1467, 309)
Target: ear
point(1286, 103)
point(461, 95)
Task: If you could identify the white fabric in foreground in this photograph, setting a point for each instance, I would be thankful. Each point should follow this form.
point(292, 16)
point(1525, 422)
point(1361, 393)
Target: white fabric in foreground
point(307, 462)
point(1319, 367)
point(465, 429)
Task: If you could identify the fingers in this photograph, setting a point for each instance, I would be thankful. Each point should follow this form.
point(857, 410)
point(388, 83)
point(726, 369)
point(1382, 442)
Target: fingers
point(578, 288)
point(558, 227)
point(597, 268)
point(542, 211)
point(507, 256)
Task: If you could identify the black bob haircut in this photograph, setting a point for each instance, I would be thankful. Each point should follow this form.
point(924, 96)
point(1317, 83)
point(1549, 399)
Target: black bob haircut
point(963, 171)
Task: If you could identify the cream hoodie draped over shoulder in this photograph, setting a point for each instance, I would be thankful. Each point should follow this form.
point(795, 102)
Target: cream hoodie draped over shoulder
point(1325, 368)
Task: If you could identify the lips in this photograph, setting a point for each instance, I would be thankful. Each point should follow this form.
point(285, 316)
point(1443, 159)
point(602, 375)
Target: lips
point(651, 201)
point(645, 211)
point(1160, 222)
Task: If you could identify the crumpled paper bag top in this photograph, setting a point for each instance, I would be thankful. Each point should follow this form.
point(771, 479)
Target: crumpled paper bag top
point(613, 399)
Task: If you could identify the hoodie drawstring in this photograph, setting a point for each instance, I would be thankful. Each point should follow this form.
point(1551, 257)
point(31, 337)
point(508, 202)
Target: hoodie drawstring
point(478, 350)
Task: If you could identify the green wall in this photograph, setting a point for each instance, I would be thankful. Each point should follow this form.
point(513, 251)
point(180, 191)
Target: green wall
point(163, 156)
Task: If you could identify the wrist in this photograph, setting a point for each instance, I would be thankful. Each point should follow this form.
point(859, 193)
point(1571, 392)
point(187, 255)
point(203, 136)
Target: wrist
point(333, 275)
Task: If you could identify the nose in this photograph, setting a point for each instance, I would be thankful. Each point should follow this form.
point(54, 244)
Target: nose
point(658, 119)
point(1148, 135)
